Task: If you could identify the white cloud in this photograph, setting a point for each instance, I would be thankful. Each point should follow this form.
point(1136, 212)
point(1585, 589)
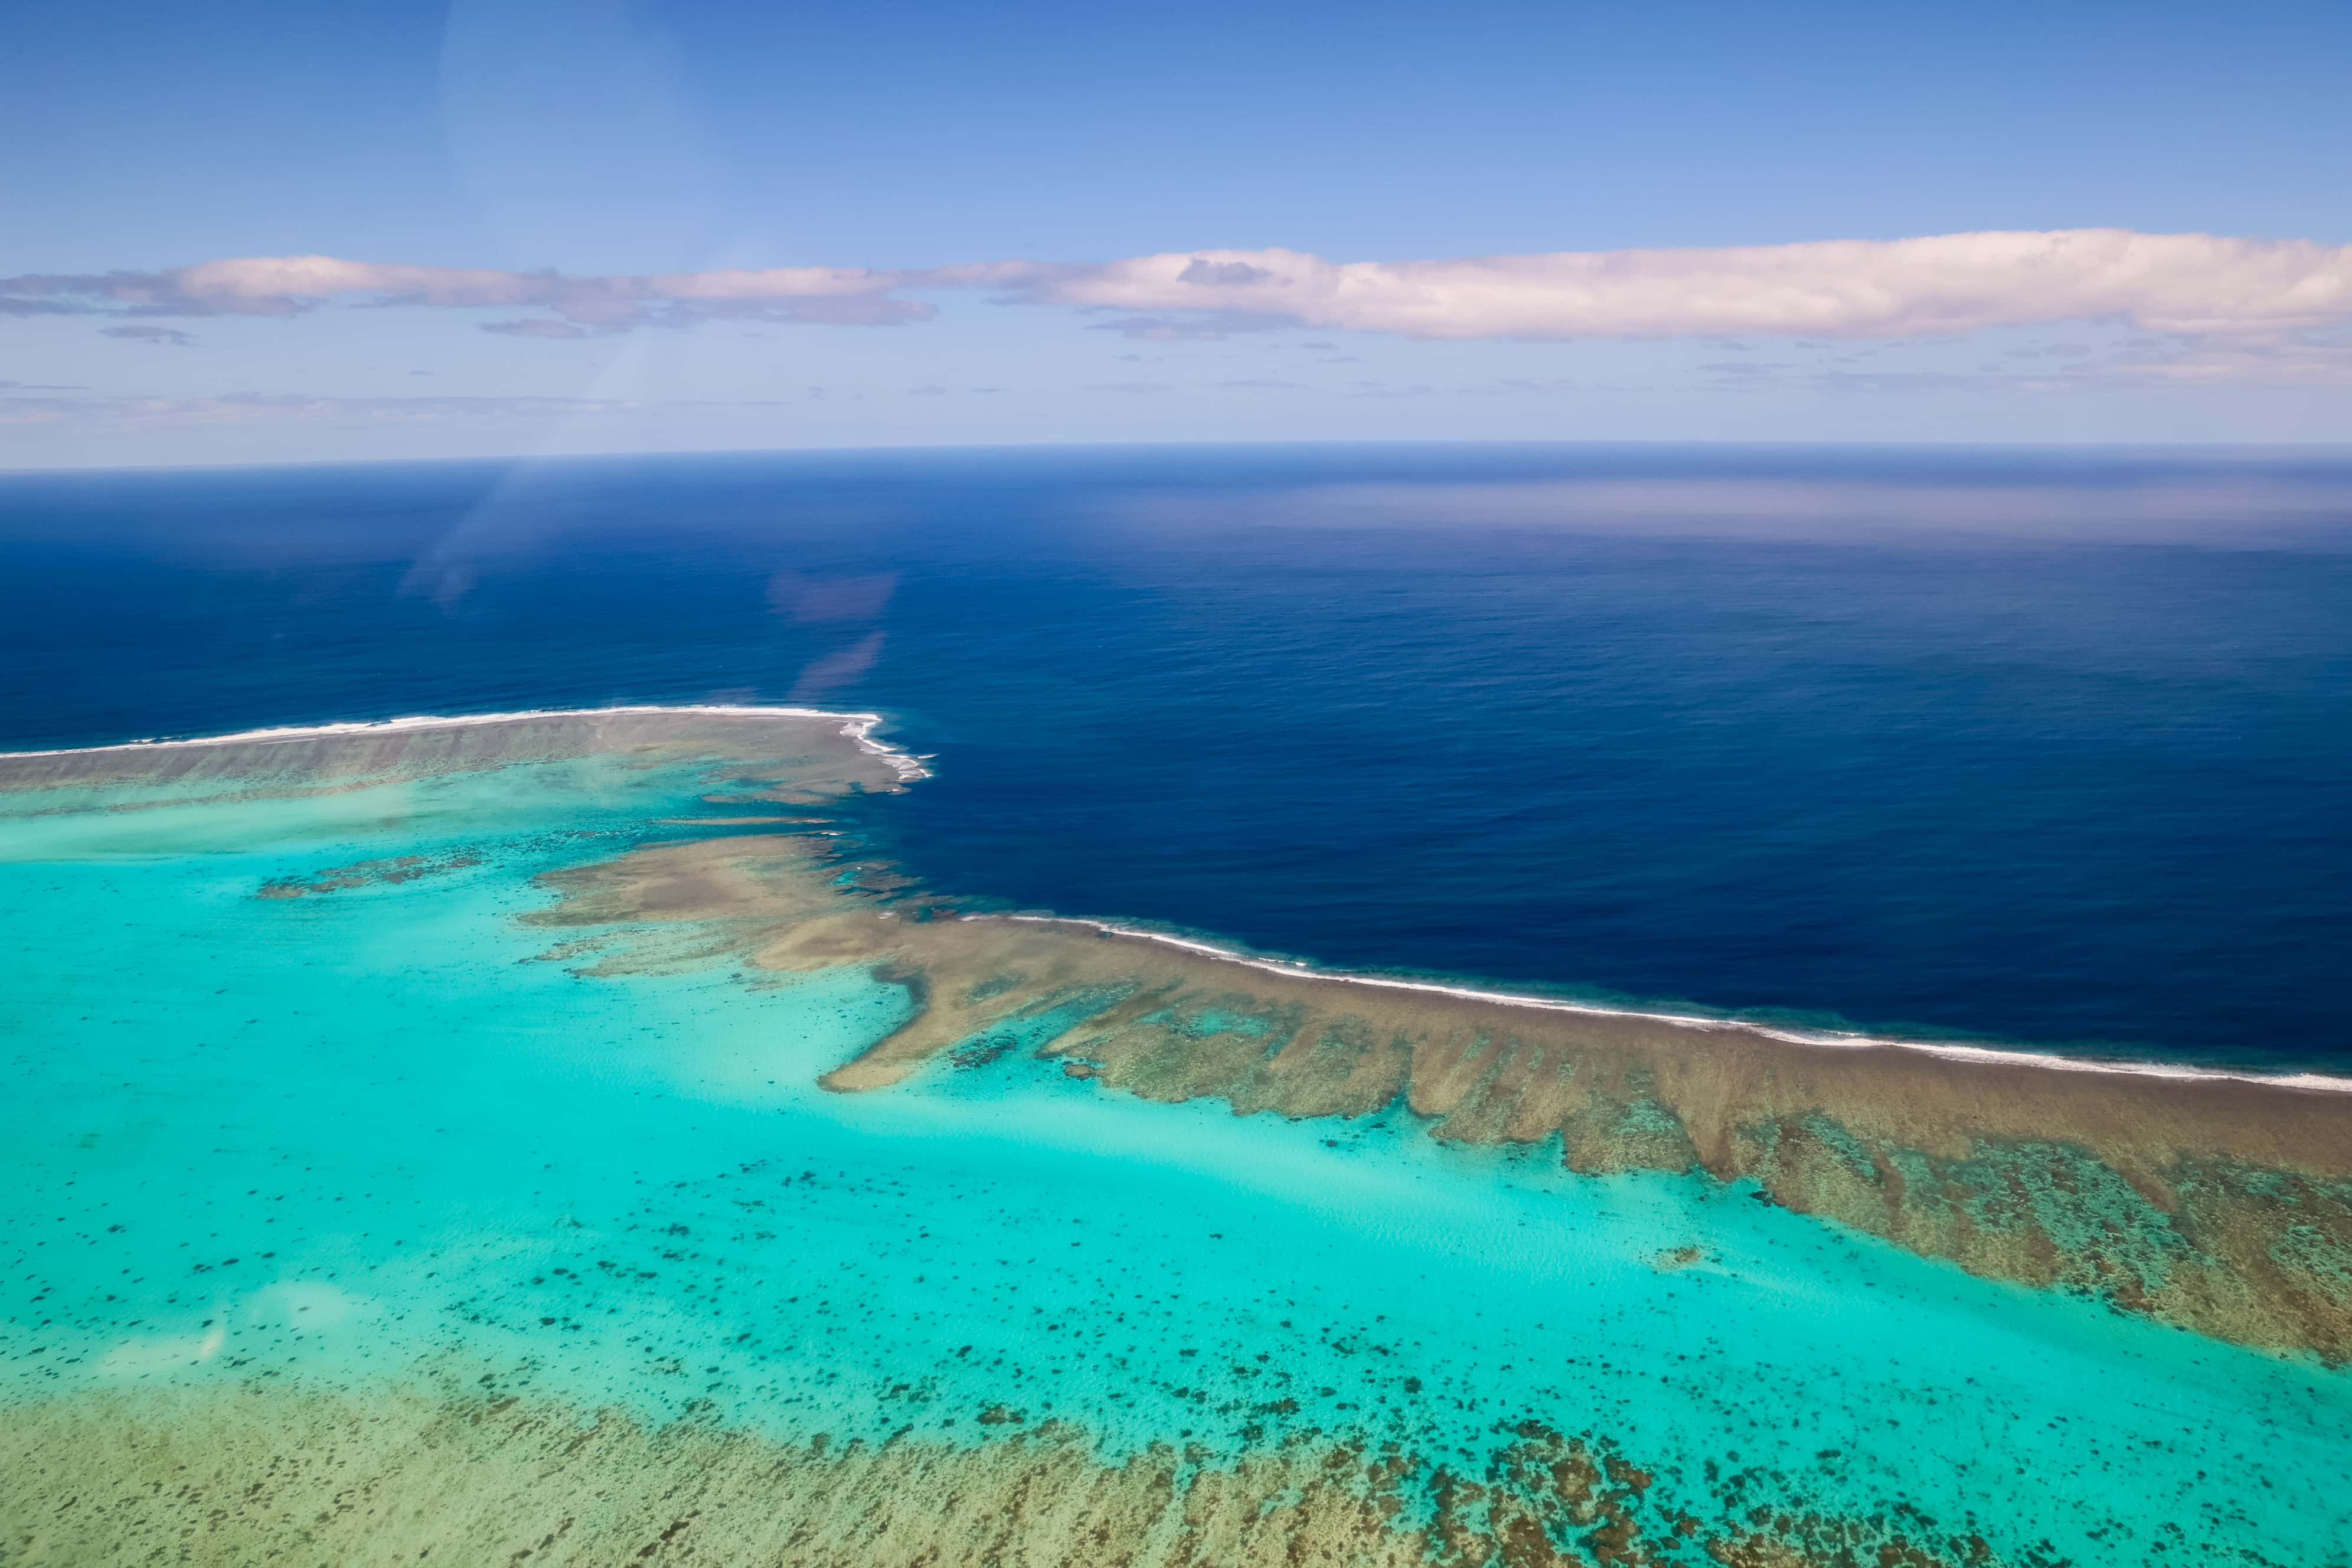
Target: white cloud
point(2280, 300)
point(1950, 284)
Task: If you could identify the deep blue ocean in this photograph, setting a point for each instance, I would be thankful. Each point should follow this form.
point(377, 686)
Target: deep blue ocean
point(2044, 746)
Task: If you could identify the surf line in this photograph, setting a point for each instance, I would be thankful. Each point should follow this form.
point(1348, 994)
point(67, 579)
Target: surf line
point(858, 728)
point(2319, 1082)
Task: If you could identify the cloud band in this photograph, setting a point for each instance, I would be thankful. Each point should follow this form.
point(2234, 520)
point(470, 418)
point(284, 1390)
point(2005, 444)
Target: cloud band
point(2185, 284)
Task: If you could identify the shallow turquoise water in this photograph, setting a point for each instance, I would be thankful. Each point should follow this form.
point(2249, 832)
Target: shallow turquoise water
point(337, 1136)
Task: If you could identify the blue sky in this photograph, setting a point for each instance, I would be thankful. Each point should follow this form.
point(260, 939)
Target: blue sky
point(885, 144)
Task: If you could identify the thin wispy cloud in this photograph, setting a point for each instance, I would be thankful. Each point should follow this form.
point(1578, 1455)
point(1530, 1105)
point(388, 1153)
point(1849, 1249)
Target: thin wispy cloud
point(2279, 305)
point(294, 285)
point(1204, 326)
point(144, 332)
point(257, 407)
point(535, 327)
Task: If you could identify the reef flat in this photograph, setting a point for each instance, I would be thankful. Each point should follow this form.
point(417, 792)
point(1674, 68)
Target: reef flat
point(2219, 1203)
point(795, 754)
point(401, 1477)
point(554, 1138)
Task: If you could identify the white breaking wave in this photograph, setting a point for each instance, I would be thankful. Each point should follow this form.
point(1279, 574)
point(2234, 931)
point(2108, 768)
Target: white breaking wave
point(1834, 1039)
point(858, 727)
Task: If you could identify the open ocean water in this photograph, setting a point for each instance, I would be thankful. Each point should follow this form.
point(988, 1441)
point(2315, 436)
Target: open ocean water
point(2049, 748)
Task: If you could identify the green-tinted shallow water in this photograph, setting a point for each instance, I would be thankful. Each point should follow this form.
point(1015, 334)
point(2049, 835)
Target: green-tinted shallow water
point(331, 1138)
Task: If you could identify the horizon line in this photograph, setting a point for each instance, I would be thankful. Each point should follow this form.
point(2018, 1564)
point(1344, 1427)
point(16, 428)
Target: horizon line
point(515, 459)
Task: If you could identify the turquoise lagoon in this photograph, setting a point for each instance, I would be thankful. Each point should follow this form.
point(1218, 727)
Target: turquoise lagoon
point(338, 1139)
